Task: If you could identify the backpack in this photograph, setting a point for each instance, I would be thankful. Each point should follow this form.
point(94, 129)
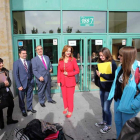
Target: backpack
point(34, 132)
point(137, 80)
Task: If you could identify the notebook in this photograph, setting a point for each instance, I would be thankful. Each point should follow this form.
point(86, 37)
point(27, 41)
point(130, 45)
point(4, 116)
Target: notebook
point(104, 68)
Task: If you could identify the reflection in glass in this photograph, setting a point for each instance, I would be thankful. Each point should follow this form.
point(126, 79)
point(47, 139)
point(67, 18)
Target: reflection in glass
point(78, 54)
point(77, 49)
point(54, 78)
point(133, 22)
point(27, 44)
point(34, 22)
point(116, 46)
point(117, 22)
point(93, 52)
point(124, 22)
point(71, 22)
point(136, 44)
point(50, 50)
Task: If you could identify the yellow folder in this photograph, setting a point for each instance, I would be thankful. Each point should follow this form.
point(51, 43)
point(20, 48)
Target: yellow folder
point(105, 68)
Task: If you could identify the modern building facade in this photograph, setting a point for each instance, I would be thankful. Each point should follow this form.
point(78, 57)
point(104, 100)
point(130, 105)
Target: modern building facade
point(87, 25)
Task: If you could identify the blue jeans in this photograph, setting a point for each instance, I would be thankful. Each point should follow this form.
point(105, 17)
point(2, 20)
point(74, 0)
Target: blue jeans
point(120, 117)
point(107, 116)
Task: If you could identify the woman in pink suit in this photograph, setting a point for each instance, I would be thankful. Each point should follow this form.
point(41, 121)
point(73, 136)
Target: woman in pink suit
point(67, 69)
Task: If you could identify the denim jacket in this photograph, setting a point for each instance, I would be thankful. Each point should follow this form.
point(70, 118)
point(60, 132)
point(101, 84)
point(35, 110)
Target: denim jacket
point(128, 104)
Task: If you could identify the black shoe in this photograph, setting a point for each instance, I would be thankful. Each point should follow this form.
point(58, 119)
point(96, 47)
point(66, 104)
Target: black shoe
point(42, 104)
point(53, 102)
point(33, 111)
point(2, 125)
point(12, 121)
point(24, 114)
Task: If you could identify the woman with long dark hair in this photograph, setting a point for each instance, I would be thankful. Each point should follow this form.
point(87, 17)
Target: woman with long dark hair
point(105, 86)
point(67, 69)
point(126, 105)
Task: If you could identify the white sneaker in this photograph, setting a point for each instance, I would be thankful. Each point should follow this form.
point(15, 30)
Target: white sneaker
point(100, 124)
point(105, 129)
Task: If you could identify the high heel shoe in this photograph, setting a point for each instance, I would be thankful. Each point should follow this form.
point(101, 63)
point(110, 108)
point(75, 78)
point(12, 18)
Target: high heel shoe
point(65, 111)
point(69, 115)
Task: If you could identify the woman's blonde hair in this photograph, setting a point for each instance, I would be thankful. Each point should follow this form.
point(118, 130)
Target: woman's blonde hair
point(66, 47)
point(129, 55)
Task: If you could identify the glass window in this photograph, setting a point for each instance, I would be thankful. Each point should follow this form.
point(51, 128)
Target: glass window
point(50, 50)
point(34, 22)
point(117, 22)
point(54, 78)
point(117, 44)
point(27, 44)
point(124, 22)
point(136, 43)
point(133, 22)
point(72, 22)
point(93, 52)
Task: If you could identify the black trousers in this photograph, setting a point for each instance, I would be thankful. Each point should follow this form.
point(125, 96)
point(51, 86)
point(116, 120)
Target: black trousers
point(9, 110)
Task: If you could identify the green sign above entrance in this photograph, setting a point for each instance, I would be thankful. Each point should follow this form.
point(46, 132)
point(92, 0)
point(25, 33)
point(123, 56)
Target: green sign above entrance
point(86, 21)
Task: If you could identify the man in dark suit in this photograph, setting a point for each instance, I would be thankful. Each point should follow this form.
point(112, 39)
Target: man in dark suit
point(24, 80)
point(41, 69)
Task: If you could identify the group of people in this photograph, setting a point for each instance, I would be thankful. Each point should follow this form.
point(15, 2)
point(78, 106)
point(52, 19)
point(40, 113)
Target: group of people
point(40, 68)
point(120, 84)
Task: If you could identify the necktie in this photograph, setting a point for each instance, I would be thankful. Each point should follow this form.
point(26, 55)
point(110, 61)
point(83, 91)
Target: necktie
point(25, 66)
point(43, 62)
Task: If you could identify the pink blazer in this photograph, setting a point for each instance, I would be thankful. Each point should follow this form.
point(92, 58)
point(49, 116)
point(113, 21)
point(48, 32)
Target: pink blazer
point(71, 68)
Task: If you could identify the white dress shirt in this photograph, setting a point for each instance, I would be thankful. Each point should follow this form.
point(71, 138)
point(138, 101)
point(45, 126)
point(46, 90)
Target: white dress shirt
point(23, 61)
point(43, 59)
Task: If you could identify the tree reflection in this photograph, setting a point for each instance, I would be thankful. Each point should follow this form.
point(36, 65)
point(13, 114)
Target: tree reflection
point(58, 30)
point(69, 29)
point(34, 31)
point(78, 31)
point(50, 31)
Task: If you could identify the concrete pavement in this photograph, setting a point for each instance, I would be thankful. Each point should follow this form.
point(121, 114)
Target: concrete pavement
point(87, 111)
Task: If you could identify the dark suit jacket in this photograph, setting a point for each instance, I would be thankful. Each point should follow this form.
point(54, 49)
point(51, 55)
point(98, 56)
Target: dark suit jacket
point(40, 70)
point(72, 69)
point(21, 76)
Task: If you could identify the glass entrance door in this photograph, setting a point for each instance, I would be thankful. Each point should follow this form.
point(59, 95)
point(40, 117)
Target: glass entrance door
point(94, 44)
point(86, 53)
point(78, 45)
point(50, 48)
point(117, 44)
